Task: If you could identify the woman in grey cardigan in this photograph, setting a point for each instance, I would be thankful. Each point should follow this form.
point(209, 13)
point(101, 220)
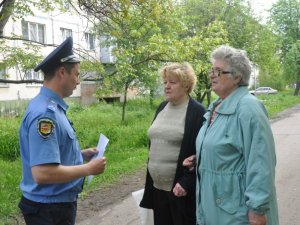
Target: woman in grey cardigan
point(170, 188)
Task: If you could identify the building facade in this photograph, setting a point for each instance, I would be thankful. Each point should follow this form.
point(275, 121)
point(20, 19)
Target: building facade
point(50, 29)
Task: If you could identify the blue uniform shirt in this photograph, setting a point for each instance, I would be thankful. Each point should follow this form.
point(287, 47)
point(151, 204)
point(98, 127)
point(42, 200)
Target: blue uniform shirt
point(47, 137)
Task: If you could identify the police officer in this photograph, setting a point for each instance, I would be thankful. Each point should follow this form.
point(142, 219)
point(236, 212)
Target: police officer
point(52, 162)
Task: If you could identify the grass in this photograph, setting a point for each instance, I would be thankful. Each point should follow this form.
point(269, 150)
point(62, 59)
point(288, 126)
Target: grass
point(126, 151)
point(278, 102)
point(10, 177)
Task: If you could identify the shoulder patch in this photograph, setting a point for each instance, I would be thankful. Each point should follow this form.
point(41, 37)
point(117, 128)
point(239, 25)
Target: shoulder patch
point(45, 127)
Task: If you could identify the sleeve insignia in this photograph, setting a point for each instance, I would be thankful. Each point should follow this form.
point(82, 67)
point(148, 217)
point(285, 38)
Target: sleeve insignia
point(45, 127)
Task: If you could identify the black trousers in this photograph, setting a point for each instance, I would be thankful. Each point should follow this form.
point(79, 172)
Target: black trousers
point(166, 210)
point(36, 213)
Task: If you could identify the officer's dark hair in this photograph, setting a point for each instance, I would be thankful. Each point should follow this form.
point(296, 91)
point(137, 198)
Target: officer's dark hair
point(50, 74)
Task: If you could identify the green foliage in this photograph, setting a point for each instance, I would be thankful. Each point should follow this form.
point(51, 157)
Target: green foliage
point(271, 78)
point(292, 63)
point(285, 16)
point(24, 8)
point(91, 69)
point(24, 58)
point(143, 37)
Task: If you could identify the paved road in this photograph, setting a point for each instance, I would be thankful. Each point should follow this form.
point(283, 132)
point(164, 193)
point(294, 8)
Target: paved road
point(287, 138)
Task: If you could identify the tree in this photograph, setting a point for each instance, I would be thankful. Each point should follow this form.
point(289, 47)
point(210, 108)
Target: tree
point(17, 9)
point(6, 7)
point(292, 66)
point(285, 20)
point(24, 59)
point(227, 22)
point(203, 33)
point(144, 36)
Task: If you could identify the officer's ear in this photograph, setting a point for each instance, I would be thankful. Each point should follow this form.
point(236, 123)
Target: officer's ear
point(61, 72)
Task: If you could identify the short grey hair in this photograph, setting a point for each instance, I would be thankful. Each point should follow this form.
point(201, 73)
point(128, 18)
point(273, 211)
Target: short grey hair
point(237, 59)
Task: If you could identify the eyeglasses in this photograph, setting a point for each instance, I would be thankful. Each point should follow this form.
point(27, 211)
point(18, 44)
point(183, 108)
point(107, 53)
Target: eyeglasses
point(218, 72)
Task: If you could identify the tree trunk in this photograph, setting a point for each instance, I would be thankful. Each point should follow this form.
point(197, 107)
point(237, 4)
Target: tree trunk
point(7, 7)
point(199, 96)
point(124, 102)
point(151, 97)
point(296, 92)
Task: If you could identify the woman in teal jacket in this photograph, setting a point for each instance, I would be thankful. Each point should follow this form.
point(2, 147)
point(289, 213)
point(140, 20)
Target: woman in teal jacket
point(235, 158)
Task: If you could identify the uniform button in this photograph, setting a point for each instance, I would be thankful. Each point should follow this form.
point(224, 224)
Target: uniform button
point(218, 201)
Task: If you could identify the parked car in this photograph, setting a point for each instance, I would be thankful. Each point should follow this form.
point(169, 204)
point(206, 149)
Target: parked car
point(264, 91)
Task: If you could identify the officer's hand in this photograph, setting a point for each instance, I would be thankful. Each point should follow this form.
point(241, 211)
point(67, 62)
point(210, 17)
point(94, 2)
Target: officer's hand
point(255, 219)
point(89, 153)
point(97, 166)
point(190, 162)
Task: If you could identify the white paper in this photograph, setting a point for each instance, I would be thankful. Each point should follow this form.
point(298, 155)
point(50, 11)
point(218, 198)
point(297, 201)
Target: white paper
point(102, 143)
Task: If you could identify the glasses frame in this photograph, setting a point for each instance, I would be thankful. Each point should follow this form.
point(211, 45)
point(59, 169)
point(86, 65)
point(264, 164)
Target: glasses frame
point(218, 72)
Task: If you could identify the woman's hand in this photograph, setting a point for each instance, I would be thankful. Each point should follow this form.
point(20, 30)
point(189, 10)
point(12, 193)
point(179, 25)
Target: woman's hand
point(255, 219)
point(179, 191)
point(190, 162)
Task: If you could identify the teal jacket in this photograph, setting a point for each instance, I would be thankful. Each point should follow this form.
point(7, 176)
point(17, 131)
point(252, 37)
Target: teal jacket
point(236, 163)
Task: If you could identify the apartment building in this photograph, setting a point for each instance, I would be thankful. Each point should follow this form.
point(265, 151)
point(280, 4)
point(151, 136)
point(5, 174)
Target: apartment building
point(51, 28)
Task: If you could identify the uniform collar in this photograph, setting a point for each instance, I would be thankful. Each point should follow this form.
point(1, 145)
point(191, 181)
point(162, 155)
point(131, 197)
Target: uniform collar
point(229, 104)
point(54, 97)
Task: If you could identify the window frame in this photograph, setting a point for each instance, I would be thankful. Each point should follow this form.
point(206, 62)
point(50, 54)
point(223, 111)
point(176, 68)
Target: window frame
point(33, 31)
point(33, 76)
point(2, 72)
point(90, 38)
point(65, 33)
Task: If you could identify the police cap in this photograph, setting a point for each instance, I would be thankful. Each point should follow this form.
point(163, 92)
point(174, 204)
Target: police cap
point(62, 54)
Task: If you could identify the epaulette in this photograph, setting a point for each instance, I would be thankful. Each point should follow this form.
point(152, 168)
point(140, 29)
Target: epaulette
point(52, 106)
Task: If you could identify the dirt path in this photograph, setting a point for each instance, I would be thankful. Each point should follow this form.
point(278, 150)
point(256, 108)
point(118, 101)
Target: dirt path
point(109, 195)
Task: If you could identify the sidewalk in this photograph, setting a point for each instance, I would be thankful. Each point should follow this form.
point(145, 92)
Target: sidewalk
point(122, 213)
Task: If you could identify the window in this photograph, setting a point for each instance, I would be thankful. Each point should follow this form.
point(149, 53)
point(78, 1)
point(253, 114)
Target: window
point(3, 76)
point(33, 31)
point(90, 41)
point(65, 33)
point(32, 75)
point(66, 5)
point(106, 50)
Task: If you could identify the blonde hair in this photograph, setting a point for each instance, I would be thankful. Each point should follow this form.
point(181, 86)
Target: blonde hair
point(184, 72)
